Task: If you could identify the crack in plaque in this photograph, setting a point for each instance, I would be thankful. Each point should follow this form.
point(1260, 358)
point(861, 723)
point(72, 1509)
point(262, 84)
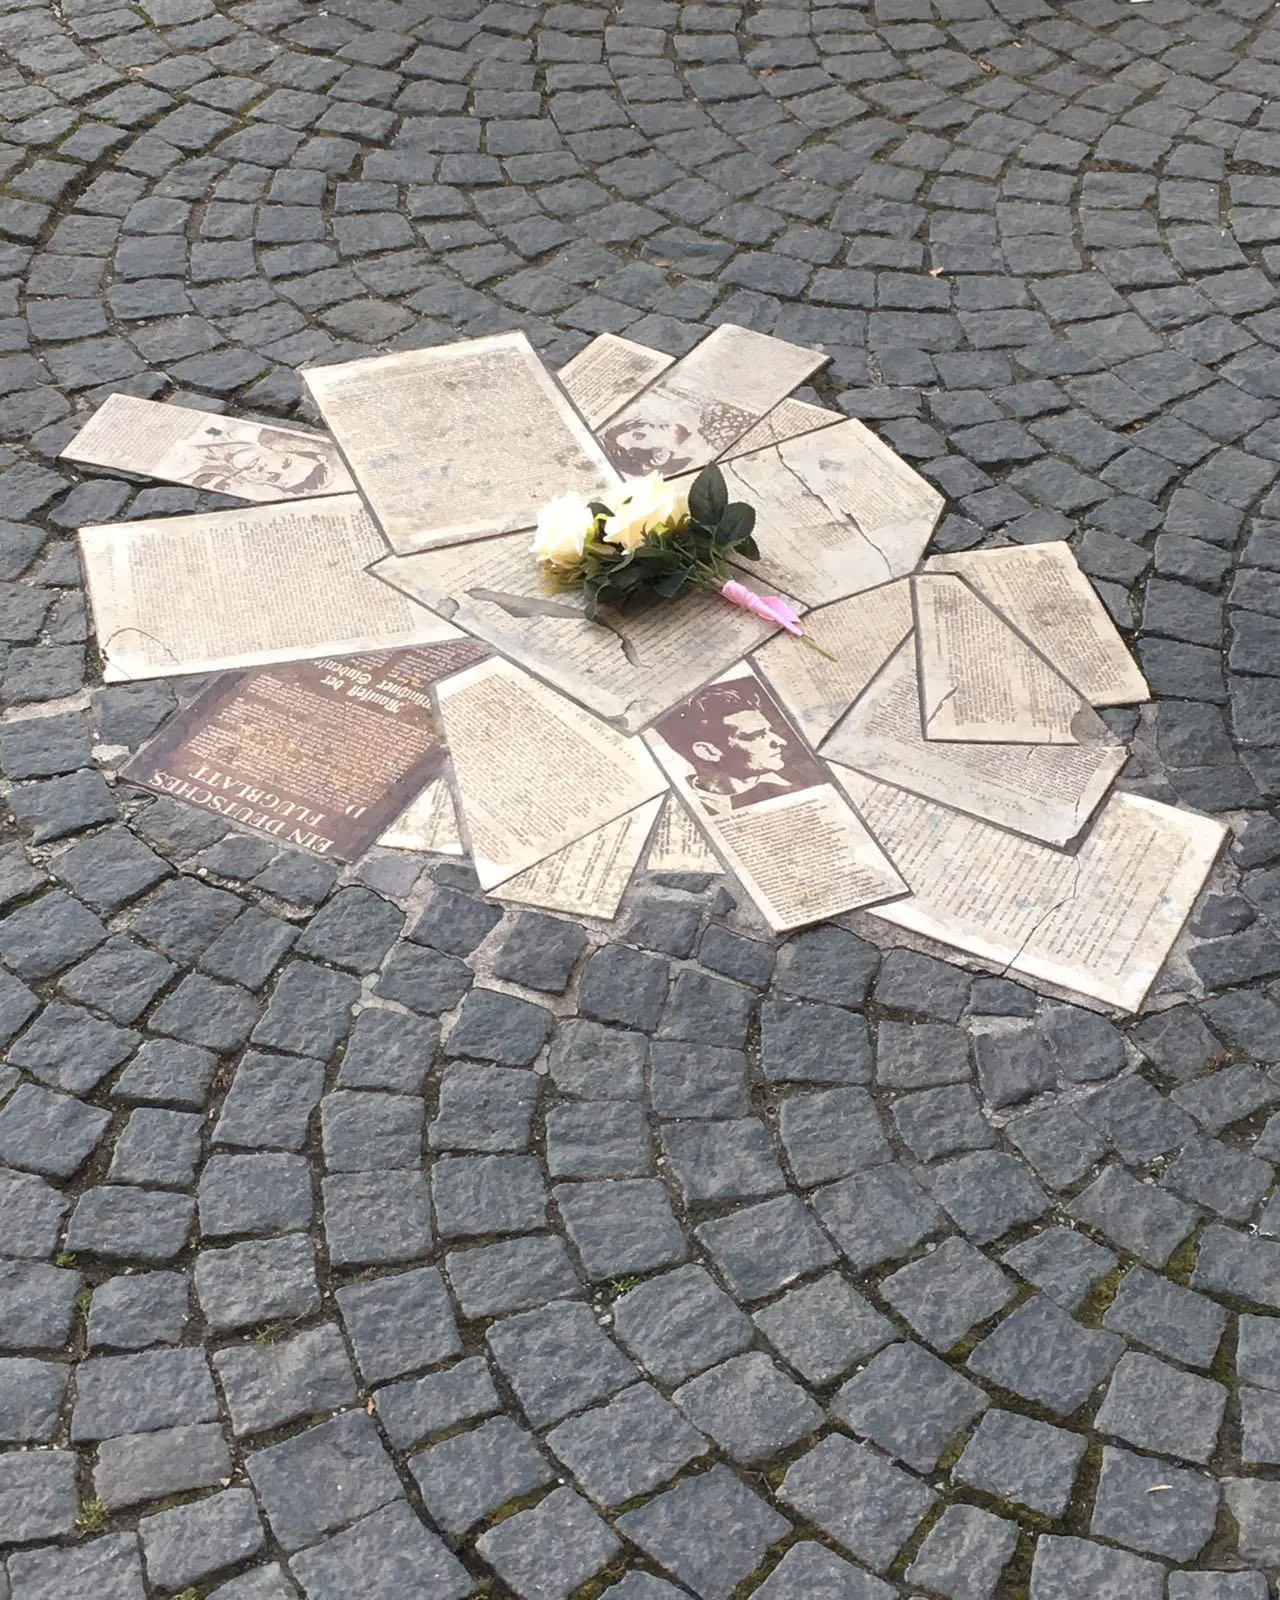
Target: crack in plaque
point(839, 514)
point(1048, 912)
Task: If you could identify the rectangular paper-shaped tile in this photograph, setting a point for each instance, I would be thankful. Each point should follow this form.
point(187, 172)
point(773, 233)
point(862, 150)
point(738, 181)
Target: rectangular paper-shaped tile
point(534, 772)
point(789, 419)
point(243, 588)
point(695, 410)
point(1046, 791)
point(858, 636)
point(589, 878)
point(626, 666)
point(1101, 922)
point(981, 680)
point(836, 512)
point(320, 754)
point(252, 460)
point(768, 805)
point(1041, 590)
point(459, 441)
point(607, 373)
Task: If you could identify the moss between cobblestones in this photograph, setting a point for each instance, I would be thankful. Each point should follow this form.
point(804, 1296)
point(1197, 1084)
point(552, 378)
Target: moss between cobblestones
point(1097, 1302)
point(1181, 1263)
point(91, 1517)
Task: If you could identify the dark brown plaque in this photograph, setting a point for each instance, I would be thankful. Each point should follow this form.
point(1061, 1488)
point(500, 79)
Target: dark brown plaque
point(322, 755)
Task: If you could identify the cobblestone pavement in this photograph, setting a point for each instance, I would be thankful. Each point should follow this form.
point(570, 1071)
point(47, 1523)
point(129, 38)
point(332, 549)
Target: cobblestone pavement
point(819, 1272)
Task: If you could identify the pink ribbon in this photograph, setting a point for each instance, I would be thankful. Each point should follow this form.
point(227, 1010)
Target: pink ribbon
point(768, 606)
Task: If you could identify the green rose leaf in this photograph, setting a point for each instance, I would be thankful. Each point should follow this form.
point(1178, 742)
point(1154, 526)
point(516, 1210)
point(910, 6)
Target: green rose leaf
point(669, 584)
point(736, 524)
point(708, 497)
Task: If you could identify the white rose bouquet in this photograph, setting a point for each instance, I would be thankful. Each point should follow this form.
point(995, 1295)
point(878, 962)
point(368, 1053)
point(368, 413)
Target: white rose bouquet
point(657, 539)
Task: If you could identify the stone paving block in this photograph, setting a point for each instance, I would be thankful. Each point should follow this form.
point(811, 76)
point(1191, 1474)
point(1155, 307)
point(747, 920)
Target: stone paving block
point(382, 1554)
point(191, 1543)
point(36, 1305)
point(257, 1281)
point(964, 1553)
point(254, 1194)
point(1062, 1262)
point(1134, 1216)
point(1039, 1353)
point(539, 952)
point(830, 1133)
point(1260, 1418)
point(1255, 1504)
point(941, 1122)
point(70, 1050)
point(388, 1050)
point(867, 1505)
point(715, 1161)
point(877, 1216)
point(557, 1360)
point(268, 1385)
point(801, 1042)
point(322, 1479)
point(550, 1550)
point(709, 1531)
point(152, 1466)
point(165, 1072)
point(130, 1224)
point(140, 1393)
point(823, 1328)
point(104, 1569)
point(1058, 1144)
point(399, 1323)
point(947, 1291)
point(761, 1248)
point(827, 964)
point(484, 1195)
point(688, 1080)
point(1168, 1319)
point(1153, 1507)
point(471, 1474)
point(748, 1407)
point(597, 1139)
point(1014, 1458)
point(372, 1217)
point(50, 1134)
point(1066, 1568)
point(987, 1194)
point(1232, 1263)
point(511, 1275)
point(484, 1108)
point(920, 1055)
point(424, 980)
point(500, 1028)
point(1211, 1174)
point(412, 1410)
point(679, 1323)
point(38, 1499)
point(309, 1013)
point(598, 1063)
point(910, 1404)
point(355, 929)
point(1217, 1586)
point(627, 1447)
point(623, 986)
point(622, 1226)
point(130, 1312)
point(270, 1102)
point(1156, 1407)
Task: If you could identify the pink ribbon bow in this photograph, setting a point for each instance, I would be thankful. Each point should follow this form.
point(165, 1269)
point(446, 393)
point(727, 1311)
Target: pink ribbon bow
point(768, 606)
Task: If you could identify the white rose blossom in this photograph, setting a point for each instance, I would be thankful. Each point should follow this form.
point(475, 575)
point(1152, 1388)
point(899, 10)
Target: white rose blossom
point(651, 502)
point(564, 524)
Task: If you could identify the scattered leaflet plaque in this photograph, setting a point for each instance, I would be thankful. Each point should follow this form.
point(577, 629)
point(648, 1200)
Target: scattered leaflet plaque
point(979, 679)
point(696, 409)
point(609, 372)
point(677, 844)
point(788, 420)
point(625, 667)
point(428, 823)
point(1046, 791)
point(1042, 592)
point(321, 754)
point(836, 512)
point(561, 773)
point(243, 588)
point(459, 441)
point(769, 805)
point(590, 877)
point(1101, 922)
point(859, 634)
point(253, 460)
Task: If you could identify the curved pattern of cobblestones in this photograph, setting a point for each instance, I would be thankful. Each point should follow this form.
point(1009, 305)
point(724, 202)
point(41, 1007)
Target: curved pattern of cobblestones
point(657, 1261)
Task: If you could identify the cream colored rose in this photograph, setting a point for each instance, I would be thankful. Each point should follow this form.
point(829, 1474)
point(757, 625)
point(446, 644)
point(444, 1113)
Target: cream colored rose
point(564, 525)
point(651, 503)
